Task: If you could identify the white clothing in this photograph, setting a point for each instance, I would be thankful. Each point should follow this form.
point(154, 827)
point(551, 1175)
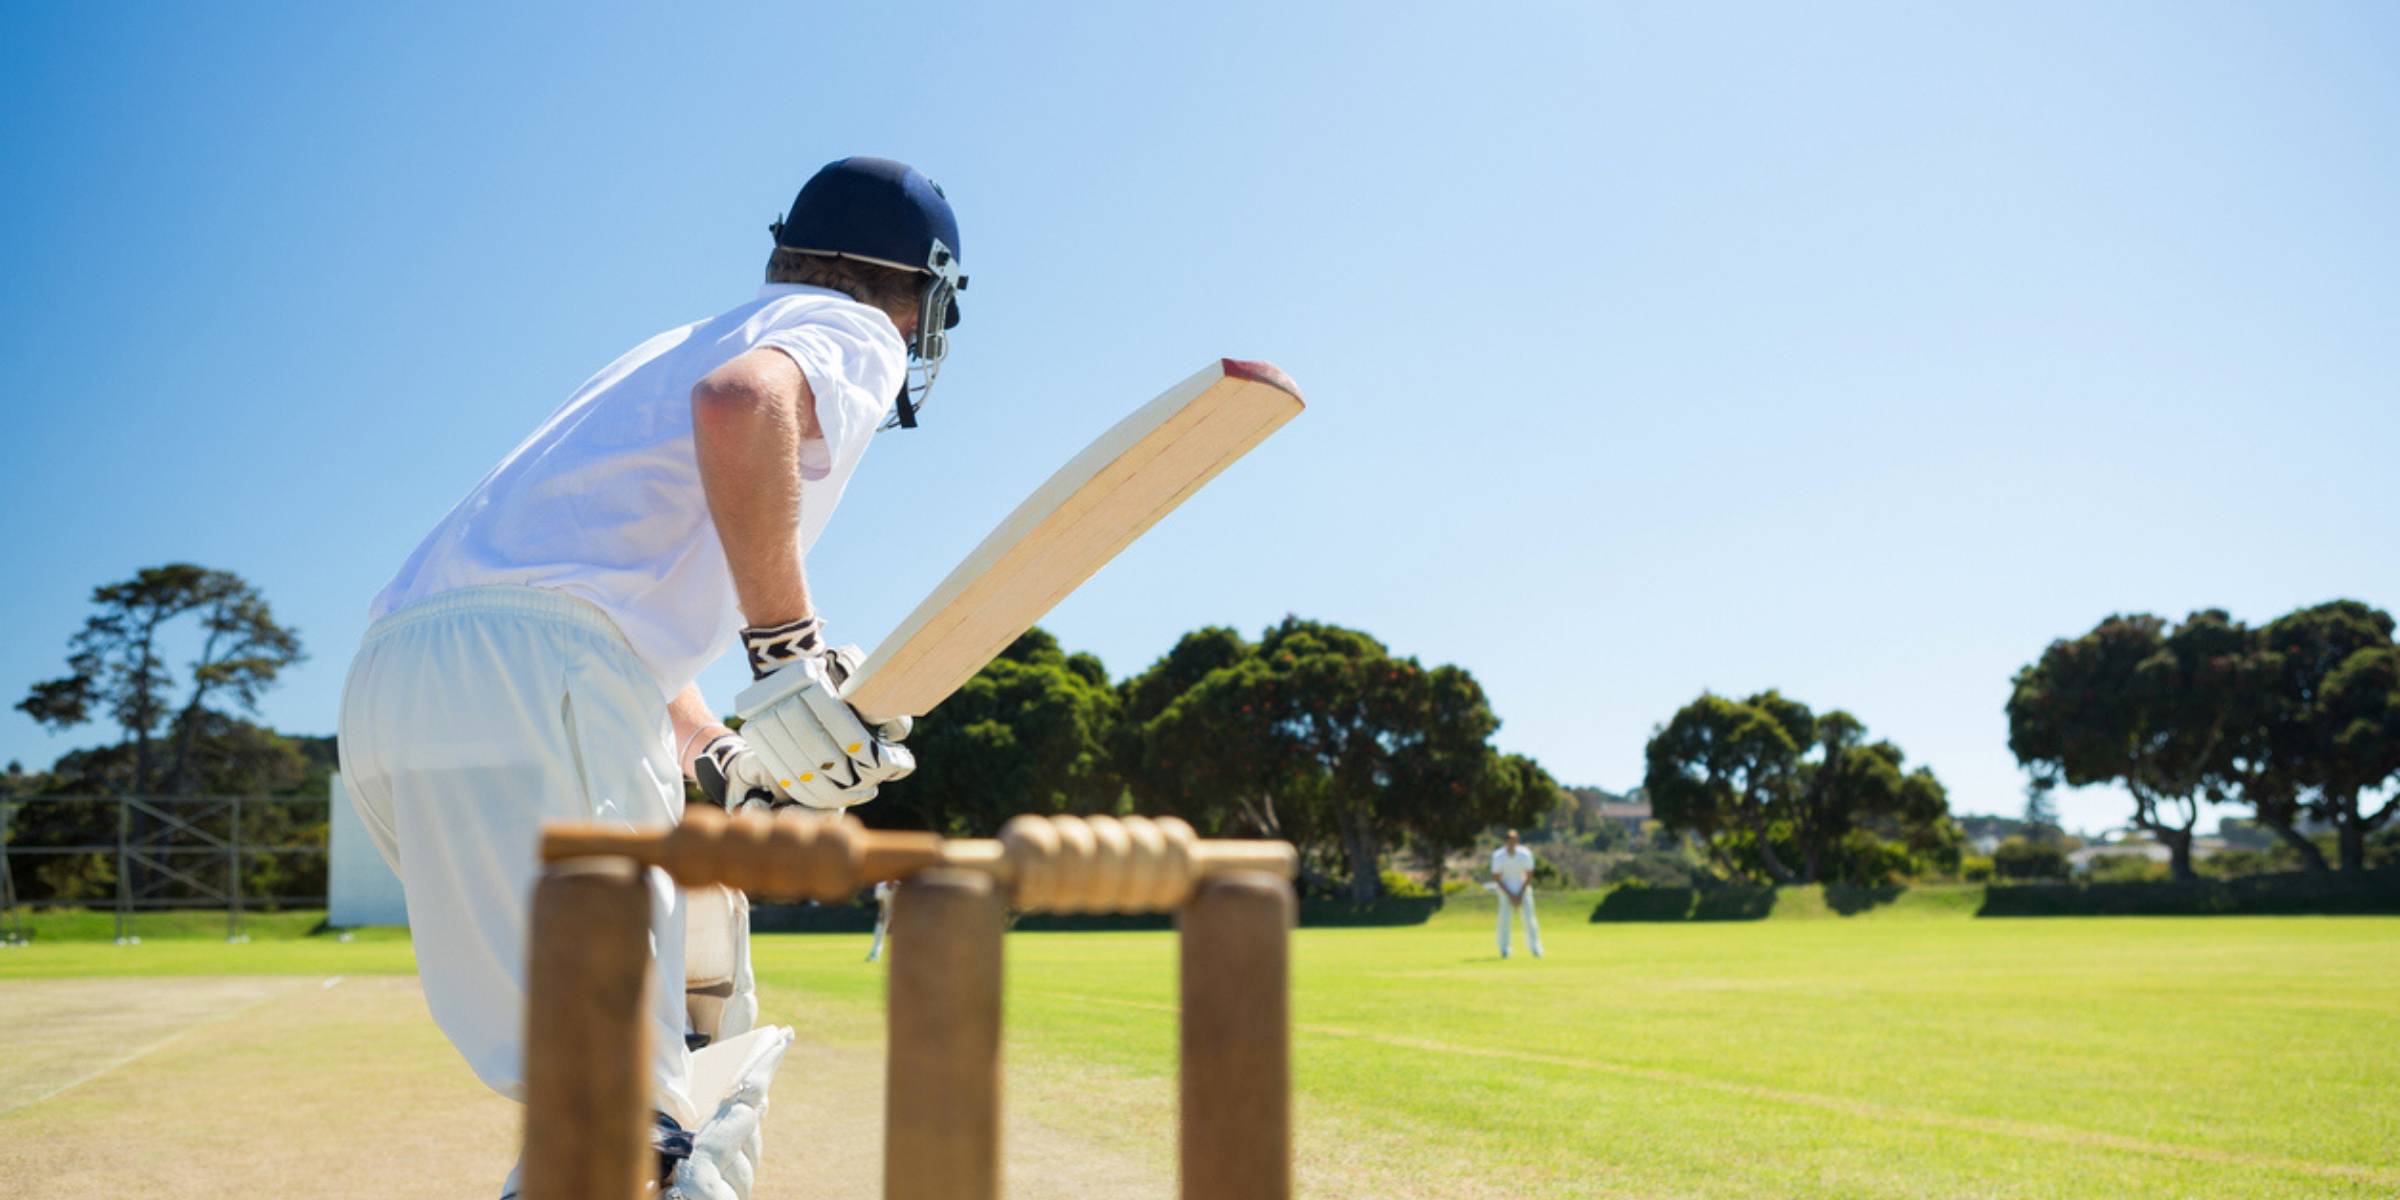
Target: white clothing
point(1533, 928)
point(883, 918)
point(1514, 870)
point(603, 502)
point(467, 721)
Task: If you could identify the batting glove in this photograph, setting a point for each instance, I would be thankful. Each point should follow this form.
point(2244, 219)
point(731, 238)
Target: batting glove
point(735, 779)
point(816, 748)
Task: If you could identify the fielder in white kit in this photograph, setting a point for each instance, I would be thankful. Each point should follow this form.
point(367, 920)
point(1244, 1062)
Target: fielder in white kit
point(1512, 873)
point(883, 918)
point(534, 658)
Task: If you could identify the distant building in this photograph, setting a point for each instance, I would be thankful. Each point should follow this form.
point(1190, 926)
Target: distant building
point(1627, 813)
point(1598, 804)
point(2141, 847)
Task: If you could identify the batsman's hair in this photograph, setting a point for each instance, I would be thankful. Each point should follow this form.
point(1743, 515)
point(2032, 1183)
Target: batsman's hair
point(894, 291)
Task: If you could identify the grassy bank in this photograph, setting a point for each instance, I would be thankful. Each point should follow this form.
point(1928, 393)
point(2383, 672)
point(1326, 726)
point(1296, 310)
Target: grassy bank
point(76, 943)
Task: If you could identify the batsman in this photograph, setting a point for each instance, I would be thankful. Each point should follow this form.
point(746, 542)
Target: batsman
point(533, 660)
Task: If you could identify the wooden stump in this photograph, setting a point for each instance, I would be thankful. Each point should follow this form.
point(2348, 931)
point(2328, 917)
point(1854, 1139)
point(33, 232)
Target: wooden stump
point(942, 1083)
point(587, 1043)
point(1237, 1057)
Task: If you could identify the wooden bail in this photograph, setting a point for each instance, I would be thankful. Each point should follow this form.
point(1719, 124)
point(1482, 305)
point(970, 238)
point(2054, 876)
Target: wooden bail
point(587, 1037)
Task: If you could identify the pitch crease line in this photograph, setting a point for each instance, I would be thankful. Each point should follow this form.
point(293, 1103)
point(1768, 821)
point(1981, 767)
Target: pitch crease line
point(168, 1040)
point(1865, 1109)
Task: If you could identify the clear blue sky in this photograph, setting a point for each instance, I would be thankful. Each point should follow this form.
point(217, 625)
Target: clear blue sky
point(1853, 350)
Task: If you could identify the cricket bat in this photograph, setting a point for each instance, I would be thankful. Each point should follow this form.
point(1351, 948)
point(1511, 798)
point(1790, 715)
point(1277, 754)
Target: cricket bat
point(1069, 528)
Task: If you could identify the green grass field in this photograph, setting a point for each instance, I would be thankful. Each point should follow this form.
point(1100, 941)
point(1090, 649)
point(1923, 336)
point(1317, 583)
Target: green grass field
point(1908, 1051)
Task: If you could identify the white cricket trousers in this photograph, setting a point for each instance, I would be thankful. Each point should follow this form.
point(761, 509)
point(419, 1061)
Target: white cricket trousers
point(469, 719)
point(1533, 928)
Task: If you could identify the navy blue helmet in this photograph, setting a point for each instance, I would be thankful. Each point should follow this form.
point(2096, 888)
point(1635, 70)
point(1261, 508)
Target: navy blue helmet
point(887, 213)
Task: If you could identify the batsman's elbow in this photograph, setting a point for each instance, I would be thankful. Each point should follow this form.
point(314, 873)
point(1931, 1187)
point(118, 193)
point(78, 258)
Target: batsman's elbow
point(759, 387)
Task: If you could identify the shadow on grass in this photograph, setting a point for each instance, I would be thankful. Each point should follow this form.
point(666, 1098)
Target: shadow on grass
point(1314, 912)
point(1317, 912)
point(1851, 901)
point(812, 918)
point(1685, 904)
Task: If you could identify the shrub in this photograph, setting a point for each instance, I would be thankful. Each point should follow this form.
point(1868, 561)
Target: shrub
point(2018, 858)
point(1975, 869)
point(2237, 864)
point(1862, 859)
point(2125, 868)
point(1609, 835)
point(75, 877)
point(1652, 868)
point(1397, 884)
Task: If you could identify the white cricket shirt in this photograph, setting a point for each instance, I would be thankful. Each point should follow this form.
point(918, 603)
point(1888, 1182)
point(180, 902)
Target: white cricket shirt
point(603, 502)
point(1513, 869)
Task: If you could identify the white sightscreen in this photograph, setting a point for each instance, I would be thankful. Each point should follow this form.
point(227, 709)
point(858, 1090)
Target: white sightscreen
point(360, 886)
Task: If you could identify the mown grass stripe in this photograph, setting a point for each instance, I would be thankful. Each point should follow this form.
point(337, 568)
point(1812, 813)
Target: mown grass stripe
point(1861, 1109)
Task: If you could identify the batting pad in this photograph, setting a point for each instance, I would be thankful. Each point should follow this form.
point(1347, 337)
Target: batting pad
point(716, 921)
point(730, 1081)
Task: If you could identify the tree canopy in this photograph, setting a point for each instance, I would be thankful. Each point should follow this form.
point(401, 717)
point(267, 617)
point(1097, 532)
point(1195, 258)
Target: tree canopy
point(1029, 733)
point(118, 666)
point(1319, 734)
point(1777, 790)
point(2298, 720)
point(2331, 728)
point(2156, 709)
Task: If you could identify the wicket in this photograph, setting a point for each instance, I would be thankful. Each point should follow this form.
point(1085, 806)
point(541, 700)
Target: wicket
point(587, 1087)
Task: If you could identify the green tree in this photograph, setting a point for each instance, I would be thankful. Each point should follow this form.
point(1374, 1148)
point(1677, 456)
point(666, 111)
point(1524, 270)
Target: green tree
point(1466, 791)
point(230, 757)
point(1773, 788)
point(2022, 858)
point(1318, 734)
point(1028, 733)
point(118, 666)
point(2330, 731)
point(1721, 770)
point(1206, 763)
point(2158, 711)
point(1854, 783)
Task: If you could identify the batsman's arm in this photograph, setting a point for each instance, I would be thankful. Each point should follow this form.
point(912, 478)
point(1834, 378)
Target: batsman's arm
point(749, 418)
point(695, 727)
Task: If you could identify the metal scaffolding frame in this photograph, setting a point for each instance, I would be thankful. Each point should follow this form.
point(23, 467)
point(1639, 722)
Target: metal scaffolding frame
point(12, 923)
point(163, 843)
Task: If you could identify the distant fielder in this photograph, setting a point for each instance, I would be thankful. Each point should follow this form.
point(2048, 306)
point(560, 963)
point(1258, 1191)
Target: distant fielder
point(1512, 876)
point(883, 917)
point(534, 659)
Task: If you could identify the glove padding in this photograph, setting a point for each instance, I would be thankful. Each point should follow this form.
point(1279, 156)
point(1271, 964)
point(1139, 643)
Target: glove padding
point(730, 1079)
point(816, 747)
point(732, 776)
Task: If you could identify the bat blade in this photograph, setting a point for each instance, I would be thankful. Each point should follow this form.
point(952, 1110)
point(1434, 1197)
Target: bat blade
point(1071, 526)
